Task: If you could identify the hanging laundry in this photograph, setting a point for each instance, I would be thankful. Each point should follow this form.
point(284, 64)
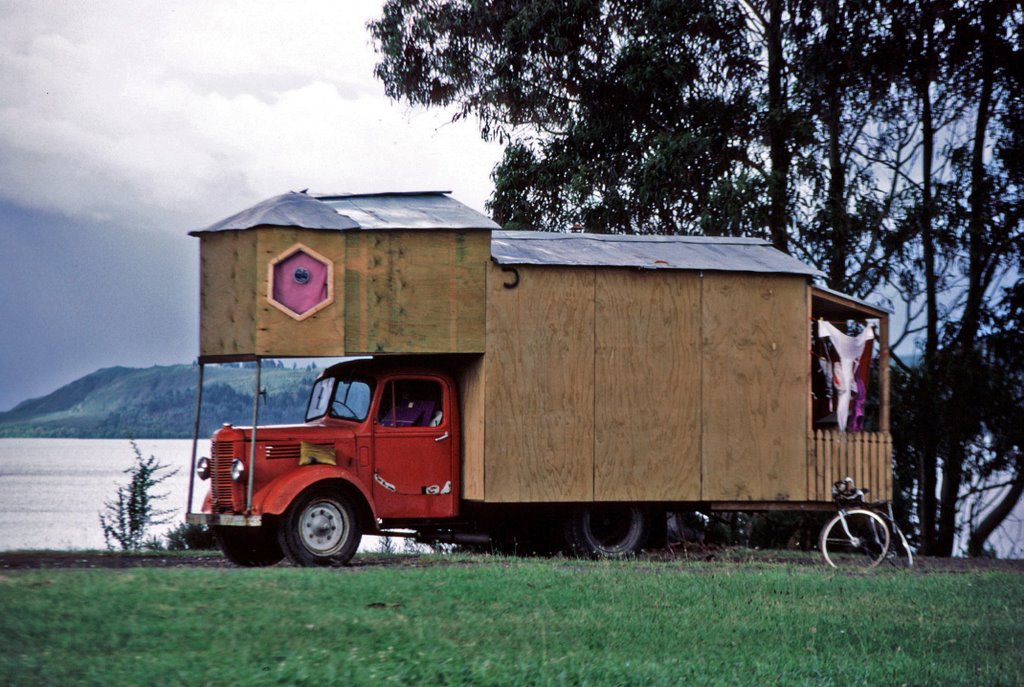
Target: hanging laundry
point(849, 349)
point(862, 372)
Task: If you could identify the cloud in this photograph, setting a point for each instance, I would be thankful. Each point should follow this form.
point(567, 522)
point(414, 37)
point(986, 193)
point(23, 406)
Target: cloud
point(174, 115)
point(123, 125)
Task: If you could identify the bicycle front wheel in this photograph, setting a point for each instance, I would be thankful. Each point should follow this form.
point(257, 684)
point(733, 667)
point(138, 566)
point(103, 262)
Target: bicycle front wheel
point(899, 553)
point(855, 538)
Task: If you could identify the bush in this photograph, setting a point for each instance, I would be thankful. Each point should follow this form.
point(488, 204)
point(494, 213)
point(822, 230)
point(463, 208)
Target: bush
point(127, 518)
point(189, 537)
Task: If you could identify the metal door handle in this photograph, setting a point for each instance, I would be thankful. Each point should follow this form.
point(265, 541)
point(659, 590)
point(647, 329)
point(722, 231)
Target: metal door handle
point(442, 437)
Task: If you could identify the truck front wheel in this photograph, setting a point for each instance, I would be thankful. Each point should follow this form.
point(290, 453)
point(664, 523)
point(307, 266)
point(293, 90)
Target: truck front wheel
point(607, 531)
point(320, 528)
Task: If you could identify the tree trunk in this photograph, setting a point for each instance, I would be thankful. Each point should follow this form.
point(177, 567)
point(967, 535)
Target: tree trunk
point(778, 145)
point(928, 466)
point(839, 246)
point(979, 196)
point(962, 424)
point(995, 517)
point(952, 479)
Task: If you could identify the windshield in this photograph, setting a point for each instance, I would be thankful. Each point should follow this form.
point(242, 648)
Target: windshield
point(347, 399)
point(351, 399)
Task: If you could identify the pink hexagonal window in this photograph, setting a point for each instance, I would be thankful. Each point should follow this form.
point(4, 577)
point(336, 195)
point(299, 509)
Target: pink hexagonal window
point(301, 282)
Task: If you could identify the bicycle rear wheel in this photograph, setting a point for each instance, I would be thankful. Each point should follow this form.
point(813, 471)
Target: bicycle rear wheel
point(856, 538)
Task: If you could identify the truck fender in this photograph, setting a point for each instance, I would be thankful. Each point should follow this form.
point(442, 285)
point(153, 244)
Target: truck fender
point(275, 498)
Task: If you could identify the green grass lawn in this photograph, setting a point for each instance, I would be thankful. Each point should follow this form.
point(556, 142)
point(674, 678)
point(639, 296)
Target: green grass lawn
point(493, 621)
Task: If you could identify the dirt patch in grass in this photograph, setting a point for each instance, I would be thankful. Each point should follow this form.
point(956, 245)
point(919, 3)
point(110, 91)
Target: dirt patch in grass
point(39, 560)
point(42, 560)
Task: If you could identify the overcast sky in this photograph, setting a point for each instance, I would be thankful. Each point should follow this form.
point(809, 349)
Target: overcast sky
point(123, 125)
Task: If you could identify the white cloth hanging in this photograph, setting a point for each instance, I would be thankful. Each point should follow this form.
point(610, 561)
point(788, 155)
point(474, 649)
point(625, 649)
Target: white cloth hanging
point(849, 349)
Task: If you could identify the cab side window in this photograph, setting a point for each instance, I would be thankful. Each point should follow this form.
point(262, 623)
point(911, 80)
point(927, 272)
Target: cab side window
point(411, 403)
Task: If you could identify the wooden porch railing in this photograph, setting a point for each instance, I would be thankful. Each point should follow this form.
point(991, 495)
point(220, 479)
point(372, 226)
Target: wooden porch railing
point(864, 456)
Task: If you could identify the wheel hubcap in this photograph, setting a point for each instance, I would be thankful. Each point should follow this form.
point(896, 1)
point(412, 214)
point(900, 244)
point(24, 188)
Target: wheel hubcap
point(323, 527)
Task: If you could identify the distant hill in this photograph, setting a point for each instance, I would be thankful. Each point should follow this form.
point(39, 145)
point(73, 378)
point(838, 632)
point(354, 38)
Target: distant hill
point(159, 402)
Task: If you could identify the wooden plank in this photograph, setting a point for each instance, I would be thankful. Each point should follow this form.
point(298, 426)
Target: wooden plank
point(880, 465)
point(647, 386)
point(416, 291)
point(876, 463)
point(539, 368)
point(472, 387)
point(866, 461)
point(227, 289)
point(843, 456)
point(754, 381)
point(277, 333)
point(887, 460)
point(856, 458)
point(869, 463)
point(828, 451)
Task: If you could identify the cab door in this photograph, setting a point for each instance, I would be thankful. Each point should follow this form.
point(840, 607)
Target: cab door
point(413, 474)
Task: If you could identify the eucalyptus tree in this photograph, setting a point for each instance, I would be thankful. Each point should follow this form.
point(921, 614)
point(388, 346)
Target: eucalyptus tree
point(960, 93)
point(619, 116)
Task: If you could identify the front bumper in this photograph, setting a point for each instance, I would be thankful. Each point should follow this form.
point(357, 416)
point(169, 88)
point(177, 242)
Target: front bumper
point(224, 519)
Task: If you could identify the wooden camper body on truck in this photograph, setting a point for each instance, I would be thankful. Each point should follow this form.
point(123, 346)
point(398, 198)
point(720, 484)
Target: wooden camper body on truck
point(590, 368)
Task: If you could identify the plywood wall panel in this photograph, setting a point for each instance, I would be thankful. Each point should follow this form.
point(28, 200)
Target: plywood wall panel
point(472, 386)
point(647, 386)
point(228, 293)
point(540, 385)
point(416, 292)
point(322, 334)
point(754, 380)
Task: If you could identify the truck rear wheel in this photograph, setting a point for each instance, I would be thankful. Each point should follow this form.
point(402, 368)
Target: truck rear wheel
point(607, 531)
point(321, 527)
point(250, 547)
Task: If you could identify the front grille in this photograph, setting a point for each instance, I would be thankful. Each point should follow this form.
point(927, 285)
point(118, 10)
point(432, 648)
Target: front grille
point(222, 488)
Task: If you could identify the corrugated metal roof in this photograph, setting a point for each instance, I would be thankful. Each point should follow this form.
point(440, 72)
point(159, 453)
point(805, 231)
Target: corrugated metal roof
point(432, 210)
point(644, 252)
point(287, 210)
point(418, 210)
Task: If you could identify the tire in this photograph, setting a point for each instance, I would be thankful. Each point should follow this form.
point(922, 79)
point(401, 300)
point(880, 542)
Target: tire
point(321, 527)
point(861, 542)
point(607, 531)
point(249, 547)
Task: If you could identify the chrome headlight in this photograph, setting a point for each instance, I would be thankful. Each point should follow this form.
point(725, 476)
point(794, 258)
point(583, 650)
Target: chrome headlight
point(203, 468)
point(237, 470)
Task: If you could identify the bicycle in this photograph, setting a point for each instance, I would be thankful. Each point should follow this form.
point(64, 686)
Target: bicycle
point(862, 534)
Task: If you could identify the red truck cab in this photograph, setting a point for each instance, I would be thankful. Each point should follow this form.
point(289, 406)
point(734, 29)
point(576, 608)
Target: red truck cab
point(379, 449)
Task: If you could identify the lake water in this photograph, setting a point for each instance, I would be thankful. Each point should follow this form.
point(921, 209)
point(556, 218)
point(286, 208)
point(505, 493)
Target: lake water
point(52, 490)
